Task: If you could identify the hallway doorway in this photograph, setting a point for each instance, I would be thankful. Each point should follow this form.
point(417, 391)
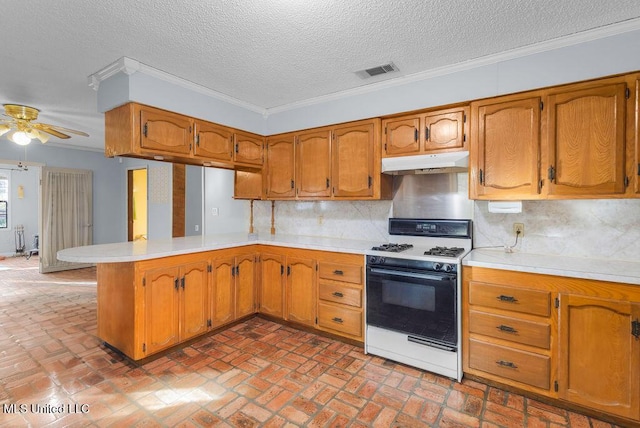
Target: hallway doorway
point(137, 191)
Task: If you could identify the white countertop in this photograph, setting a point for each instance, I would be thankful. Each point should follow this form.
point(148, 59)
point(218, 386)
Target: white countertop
point(575, 267)
point(157, 248)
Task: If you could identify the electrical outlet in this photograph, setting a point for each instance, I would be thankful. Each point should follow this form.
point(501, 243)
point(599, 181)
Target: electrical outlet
point(320, 220)
point(518, 229)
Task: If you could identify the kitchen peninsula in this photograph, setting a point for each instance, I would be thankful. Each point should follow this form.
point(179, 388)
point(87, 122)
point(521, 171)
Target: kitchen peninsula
point(156, 294)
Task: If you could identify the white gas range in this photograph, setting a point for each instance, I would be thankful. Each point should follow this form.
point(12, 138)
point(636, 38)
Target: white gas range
point(413, 294)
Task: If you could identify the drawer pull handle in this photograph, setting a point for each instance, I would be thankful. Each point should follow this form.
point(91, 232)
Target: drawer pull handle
point(509, 299)
point(338, 294)
point(507, 329)
point(338, 272)
point(338, 320)
point(508, 364)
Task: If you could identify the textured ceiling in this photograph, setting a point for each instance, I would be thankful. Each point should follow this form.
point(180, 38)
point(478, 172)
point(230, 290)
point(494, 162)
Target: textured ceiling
point(268, 53)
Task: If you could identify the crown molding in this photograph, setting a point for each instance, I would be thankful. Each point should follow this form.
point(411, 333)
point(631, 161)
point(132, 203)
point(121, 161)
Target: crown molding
point(560, 42)
point(124, 64)
point(130, 66)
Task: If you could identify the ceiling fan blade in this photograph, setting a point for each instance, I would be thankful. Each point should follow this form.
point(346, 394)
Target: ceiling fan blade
point(45, 126)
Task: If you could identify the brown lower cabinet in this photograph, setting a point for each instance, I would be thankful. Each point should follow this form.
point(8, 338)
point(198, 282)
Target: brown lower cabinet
point(149, 306)
point(574, 340)
point(319, 289)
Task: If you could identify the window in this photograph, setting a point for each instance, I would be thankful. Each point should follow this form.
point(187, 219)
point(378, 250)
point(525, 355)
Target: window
point(4, 201)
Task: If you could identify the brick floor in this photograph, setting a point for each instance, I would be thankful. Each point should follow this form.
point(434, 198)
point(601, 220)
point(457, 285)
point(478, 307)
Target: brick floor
point(255, 374)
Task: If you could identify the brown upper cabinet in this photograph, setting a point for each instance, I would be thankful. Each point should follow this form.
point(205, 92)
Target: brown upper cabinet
point(279, 171)
point(313, 163)
point(337, 162)
point(505, 150)
point(213, 141)
point(137, 130)
point(432, 132)
point(558, 143)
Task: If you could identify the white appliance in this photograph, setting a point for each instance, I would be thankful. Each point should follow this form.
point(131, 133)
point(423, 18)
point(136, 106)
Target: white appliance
point(413, 294)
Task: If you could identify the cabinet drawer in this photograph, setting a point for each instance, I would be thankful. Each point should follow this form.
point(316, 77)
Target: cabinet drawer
point(340, 294)
point(341, 272)
point(520, 366)
point(532, 302)
point(508, 328)
point(344, 320)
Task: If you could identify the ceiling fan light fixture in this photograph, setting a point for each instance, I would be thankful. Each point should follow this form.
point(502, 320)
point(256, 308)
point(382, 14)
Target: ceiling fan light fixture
point(34, 133)
point(19, 137)
point(4, 129)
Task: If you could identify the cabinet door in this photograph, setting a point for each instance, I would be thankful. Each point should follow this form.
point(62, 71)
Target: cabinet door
point(401, 136)
point(280, 166)
point(313, 163)
point(272, 285)
point(247, 185)
point(245, 288)
point(165, 132)
point(599, 365)
point(353, 157)
point(161, 297)
point(194, 305)
point(586, 141)
point(444, 131)
point(506, 153)
point(213, 142)
point(248, 148)
point(223, 291)
point(301, 286)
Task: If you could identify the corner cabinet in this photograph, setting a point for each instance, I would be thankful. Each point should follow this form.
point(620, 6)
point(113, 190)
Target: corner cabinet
point(568, 339)
point(564, 142)
point(137, 130)
point(339, 162)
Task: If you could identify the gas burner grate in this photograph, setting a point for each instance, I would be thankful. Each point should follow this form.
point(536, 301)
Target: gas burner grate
point(444, 251)
point(393, 248)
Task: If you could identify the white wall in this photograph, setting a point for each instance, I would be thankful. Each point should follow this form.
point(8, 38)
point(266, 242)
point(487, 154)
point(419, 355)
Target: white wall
point(233, 215)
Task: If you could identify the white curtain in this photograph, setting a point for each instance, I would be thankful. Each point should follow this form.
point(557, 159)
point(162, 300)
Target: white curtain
point(67, 215)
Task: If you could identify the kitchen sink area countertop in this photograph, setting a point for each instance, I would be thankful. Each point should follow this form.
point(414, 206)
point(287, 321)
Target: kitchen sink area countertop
point(574, 267)
point(157, 248)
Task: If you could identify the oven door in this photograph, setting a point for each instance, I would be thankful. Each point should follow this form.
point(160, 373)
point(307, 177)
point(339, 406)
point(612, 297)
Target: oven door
point(418, 303)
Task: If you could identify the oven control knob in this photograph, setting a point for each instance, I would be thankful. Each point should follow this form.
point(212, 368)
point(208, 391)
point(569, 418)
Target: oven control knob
point(447, 267)
point(376, 260)
point(437, 266)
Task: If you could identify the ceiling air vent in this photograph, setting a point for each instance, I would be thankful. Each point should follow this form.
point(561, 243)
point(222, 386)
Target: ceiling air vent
point(376, 71)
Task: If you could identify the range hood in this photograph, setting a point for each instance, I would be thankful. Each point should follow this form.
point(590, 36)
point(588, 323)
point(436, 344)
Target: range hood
point(427, 164)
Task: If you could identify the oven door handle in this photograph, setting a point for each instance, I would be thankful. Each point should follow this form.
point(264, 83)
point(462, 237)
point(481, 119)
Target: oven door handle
point(433, 277)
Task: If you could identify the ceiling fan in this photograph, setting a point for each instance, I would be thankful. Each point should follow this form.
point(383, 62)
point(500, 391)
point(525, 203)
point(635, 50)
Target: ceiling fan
point(22, 129)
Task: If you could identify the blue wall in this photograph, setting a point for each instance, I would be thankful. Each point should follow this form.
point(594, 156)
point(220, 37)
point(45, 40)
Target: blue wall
point(109, 222)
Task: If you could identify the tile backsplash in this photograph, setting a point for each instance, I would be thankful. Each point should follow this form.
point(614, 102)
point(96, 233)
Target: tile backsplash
point(335, 219)
point(603, 228)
